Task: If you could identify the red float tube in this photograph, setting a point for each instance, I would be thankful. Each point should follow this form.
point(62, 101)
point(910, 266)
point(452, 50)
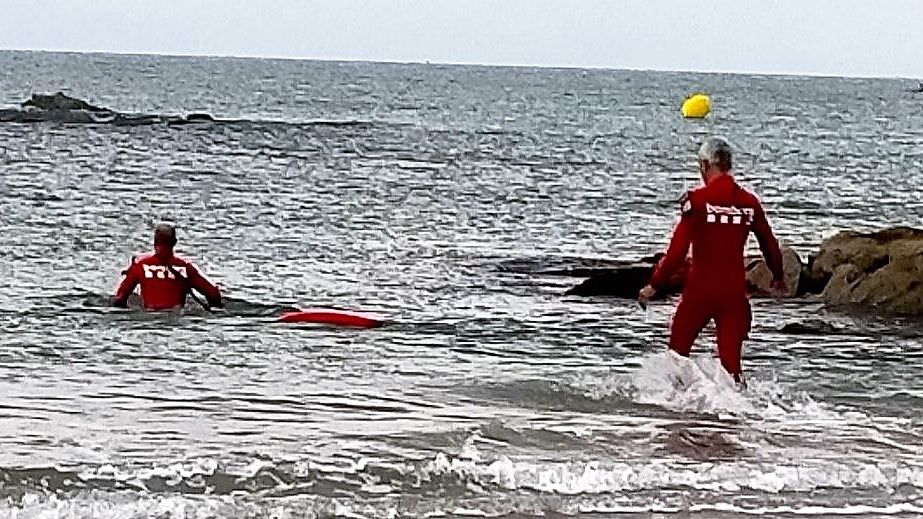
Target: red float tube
point(329, 316)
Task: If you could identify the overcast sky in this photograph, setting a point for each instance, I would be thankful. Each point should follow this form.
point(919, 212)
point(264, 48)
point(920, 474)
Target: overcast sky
point(881, 38)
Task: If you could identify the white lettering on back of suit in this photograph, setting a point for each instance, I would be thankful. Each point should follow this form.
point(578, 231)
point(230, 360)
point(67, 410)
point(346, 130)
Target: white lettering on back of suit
point(728, 214)
point(162, 272)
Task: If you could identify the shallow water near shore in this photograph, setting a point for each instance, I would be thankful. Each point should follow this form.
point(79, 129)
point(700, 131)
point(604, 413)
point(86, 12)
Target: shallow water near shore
point(403, 190)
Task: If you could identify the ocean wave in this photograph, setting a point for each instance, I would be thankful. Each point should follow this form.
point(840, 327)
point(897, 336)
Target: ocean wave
point(610, 476)
point(198, 476)
point(467, 480)
point(104, 505)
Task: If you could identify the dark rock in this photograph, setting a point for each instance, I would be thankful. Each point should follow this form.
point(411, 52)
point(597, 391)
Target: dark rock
point(136, 120)
point(60, 107)
point(624, 282)
point(60, 102)
point(200, 117)
point(811, 282)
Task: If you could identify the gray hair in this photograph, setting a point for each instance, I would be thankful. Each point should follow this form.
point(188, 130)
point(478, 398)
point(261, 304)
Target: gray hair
point(165, 234)
point(717, 151)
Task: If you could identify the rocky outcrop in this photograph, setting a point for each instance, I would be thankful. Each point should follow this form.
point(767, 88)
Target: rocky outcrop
point(877, 272)
point(60, 107)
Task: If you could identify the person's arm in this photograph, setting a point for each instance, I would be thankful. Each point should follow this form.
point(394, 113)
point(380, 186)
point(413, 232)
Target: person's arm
point(678, 249)
point(202, 284)
point(768, 244)
point(127, 286)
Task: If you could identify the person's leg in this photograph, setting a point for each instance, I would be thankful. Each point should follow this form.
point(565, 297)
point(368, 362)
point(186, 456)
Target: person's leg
point(733, 327)
point(688, 320)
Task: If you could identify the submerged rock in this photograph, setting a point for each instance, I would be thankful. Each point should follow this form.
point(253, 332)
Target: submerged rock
point(877, 272)
point(814, 326)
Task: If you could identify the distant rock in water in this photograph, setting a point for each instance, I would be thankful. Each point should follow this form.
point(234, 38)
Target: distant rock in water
point(60, 102)
point(60, 107)
point(877, 272)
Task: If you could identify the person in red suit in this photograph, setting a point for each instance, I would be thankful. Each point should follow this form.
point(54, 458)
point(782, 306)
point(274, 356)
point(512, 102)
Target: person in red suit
point(165, 278)
point(716, 220)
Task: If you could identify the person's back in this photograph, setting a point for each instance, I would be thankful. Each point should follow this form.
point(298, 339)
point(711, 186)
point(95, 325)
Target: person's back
point(165, 278)
point(723, 215)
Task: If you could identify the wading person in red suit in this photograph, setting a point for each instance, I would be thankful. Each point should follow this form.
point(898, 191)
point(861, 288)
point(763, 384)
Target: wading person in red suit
point(716, 220)
point(165, 278)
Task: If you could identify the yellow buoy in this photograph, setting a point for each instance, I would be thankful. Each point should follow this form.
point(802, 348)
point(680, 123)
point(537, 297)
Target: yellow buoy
point(696, 106)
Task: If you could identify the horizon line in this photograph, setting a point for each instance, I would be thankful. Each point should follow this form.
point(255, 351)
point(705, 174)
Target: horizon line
point(194, 54)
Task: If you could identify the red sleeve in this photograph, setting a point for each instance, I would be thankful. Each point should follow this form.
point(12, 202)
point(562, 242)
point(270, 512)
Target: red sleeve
point(768, 243)
point(127, 286)
point(678, 249)
point(203, 285)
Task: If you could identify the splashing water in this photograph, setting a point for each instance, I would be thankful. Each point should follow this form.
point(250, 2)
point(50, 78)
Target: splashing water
point(698, 384)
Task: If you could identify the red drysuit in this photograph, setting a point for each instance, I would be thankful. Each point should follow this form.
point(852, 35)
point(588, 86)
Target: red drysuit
point(161, 289)
point(716, 220)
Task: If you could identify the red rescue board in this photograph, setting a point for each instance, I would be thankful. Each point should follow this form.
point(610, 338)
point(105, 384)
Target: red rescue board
point(334, 317)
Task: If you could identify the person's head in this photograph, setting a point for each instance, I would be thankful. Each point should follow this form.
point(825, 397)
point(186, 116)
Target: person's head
point(714, 157)
point(164, 238)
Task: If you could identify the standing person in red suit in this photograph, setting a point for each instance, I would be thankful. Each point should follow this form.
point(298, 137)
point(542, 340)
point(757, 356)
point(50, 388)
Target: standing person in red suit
point(716, 220)
point(165, 278)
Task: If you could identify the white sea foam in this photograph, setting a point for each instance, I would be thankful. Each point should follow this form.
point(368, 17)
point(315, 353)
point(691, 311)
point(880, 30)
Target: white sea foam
point(688, 384)
point(848, 510)
point(893, 509)
point(602, 476)
point(192, 472)
point(700, 384)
